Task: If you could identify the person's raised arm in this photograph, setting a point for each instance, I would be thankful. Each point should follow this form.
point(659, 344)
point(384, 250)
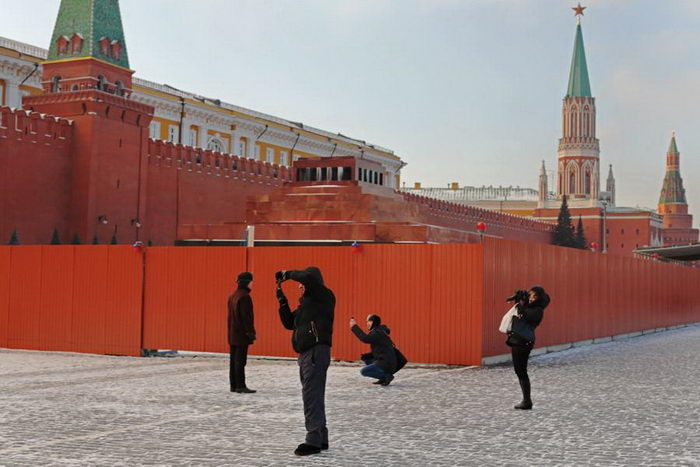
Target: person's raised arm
point(286, 314)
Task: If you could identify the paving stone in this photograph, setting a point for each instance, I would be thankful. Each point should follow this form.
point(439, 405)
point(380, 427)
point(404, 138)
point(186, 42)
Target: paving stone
point(626, 402)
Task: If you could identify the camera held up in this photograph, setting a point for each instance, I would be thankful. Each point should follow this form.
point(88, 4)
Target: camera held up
point(519, 295)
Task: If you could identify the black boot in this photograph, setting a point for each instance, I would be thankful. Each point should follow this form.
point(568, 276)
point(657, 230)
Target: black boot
point(306, 449)
point(245, 390)
point(526, 404)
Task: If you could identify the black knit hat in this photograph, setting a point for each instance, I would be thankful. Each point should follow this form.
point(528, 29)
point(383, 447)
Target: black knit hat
point(244, 278)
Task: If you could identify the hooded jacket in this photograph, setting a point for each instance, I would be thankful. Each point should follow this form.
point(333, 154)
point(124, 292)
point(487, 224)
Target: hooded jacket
point(532, 313)
point(312, 321)
point(381, 345)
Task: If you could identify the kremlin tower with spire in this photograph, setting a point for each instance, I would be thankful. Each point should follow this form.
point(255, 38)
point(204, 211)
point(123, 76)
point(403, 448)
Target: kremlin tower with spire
point(678, 224)
point(616, 229)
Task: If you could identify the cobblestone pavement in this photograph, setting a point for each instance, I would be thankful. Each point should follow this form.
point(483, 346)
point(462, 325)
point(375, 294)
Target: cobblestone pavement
point(631, 402)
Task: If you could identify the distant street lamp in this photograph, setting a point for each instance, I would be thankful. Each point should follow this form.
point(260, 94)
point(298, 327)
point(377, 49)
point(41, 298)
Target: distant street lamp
point(605, 198)
point(481, 227)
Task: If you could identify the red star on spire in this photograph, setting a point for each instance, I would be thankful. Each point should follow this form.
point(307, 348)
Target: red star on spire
point(579, 9)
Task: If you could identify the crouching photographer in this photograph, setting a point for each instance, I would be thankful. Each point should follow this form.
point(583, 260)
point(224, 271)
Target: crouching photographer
point(530, 305)
point(385, 359)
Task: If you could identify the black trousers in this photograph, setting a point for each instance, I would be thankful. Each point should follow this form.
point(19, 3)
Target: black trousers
point(239, 357)
point(313, 367)
point(521, 353)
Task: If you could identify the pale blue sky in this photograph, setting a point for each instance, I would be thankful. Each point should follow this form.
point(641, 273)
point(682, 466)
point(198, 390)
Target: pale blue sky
point(467, 91)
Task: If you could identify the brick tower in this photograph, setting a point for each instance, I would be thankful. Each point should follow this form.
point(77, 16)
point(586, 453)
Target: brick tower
point(678, 224)
point(87, 79)
point(578, 171)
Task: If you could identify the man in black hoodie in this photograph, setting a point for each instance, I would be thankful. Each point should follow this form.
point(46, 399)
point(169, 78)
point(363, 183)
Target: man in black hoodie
point(382, 362)
point(312, 336)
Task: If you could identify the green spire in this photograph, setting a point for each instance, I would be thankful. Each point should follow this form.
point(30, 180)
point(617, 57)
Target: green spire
point(672, 191)
point(672, 148)
point(579, 86)
point(89, 28)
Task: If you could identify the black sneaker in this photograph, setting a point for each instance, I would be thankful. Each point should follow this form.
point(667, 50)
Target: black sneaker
point(379, 381)
point(385, 382)
point(245, 391)
point(524, 405)
point(306, 450)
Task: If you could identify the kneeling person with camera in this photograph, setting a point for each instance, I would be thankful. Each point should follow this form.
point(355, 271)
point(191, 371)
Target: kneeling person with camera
point(381, 362)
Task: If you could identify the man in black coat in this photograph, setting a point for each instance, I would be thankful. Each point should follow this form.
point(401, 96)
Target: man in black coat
point(241, 332)
point(382, 363)
point(312, 336)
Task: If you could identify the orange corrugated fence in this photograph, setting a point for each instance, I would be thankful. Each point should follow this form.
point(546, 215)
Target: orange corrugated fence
point(442, 302)
point(593, 295)
point(71, 298)
point(429, 297)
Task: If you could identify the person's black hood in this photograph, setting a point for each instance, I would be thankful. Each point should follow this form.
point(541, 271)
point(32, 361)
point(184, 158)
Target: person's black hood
point(382, 327)
point(543, 298)
point(315, 274)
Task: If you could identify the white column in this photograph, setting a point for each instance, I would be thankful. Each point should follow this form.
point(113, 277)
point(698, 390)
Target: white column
point(251, 146)
point(235, 142)
point(203, 136)
point(13, 93)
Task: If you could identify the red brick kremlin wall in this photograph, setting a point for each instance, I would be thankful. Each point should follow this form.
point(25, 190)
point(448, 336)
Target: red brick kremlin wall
point(35, 167)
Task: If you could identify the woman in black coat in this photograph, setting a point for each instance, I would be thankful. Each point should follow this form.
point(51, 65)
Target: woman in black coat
point(382, 362)
point(531, 312)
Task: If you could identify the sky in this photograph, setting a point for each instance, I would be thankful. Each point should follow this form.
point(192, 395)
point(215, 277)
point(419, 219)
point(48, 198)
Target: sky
point(466, 91)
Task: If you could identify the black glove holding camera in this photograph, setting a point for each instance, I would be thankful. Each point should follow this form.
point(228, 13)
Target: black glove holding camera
point(518, 296)
point(280, 277)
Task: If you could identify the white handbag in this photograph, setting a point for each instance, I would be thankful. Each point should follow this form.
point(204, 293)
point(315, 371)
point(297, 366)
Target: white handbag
point(507, 320)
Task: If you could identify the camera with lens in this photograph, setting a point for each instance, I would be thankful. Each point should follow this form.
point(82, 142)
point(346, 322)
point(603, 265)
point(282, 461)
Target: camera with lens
point(519, 295)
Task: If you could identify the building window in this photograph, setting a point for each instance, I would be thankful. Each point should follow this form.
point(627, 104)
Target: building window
point(587, 182)
point(120, 88)
point(192, 137)
point(105, 46)
point(2, 93)
point(572, 182)
point(283, 158)
point(637, 231)
point(76, 43)
point(241, 148)
point(256, 154)
point(270, 155)
point(154, 130)
point(215, 145)
point(172, 133)
point(62, 45)
point(56, 84)
point(622, 231)
point(101, 83)
point(116, 49)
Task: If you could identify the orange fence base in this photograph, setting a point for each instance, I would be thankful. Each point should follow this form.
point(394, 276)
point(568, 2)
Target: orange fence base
point(443, 303)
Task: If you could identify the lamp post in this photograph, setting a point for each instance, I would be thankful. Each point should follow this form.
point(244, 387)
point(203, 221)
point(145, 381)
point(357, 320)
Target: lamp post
point(481, 227)
point(605, 198)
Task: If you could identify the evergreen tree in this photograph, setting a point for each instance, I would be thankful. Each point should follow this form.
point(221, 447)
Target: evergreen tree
point(564, 231)
point(76, 240)
point(14, 239)
point(580, 235)
point(150, 243)
point(114, 239)
point(55, 239)
point(95, 241)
